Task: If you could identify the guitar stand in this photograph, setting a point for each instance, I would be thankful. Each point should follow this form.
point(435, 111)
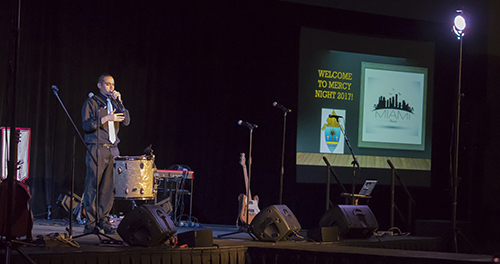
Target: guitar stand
point(246, 227)
point(243, 229)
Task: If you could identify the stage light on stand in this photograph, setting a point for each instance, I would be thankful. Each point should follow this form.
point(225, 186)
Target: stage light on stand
point(459, 24)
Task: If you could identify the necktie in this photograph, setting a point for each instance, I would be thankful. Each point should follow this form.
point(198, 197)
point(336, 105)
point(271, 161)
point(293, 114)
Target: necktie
point(111, 125)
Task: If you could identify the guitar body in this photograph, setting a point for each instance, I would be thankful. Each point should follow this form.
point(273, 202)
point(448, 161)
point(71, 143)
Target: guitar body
point(22, 217)
point(252, 206)
point(246, 205)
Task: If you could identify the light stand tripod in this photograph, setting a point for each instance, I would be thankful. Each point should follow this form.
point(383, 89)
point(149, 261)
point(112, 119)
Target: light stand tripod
point(95, 160)
point(246, 227)
point(9, 203)
point(458, 28)
point(455, 161)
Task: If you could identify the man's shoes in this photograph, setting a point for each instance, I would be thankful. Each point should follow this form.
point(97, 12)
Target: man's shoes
point(107, 228)
point(88, 229)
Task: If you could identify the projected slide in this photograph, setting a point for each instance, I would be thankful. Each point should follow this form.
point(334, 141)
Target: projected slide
point(363, 97)
point(392, 106)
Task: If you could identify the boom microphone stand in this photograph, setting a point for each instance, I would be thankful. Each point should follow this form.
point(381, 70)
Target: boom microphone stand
point(95, 160)
point(70, 230)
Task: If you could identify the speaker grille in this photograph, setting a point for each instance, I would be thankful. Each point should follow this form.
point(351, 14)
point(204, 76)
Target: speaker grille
point(354, 221)
point(275, 223)
point(148, 225)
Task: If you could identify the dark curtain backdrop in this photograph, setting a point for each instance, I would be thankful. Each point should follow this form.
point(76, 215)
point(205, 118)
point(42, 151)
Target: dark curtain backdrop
point(188, 71)
point(187, 74)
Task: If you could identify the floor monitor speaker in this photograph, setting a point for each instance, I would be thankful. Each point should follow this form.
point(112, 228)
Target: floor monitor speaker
point(147, 225)
point(274, 223)
point(354, 221)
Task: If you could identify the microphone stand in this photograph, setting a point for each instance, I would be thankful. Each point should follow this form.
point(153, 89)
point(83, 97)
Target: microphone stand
point(94, 159)
point(246, 227)
point(354, 164)
point(70, 230)
point(283, 157)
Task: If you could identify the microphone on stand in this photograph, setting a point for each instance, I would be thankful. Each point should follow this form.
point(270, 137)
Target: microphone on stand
point(249, 125)
point(275, 104)
point(55, 89)
point(97, 99)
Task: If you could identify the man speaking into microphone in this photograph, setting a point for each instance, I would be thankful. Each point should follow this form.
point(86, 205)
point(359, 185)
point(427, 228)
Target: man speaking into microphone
point(102, 115)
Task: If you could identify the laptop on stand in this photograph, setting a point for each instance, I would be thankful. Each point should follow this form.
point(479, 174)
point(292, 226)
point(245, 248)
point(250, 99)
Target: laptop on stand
point(365, 191)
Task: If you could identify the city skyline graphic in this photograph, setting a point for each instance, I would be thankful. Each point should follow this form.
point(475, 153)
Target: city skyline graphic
point(393, 103)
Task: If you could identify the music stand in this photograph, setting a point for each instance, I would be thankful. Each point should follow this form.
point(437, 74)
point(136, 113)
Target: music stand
point(246, 227)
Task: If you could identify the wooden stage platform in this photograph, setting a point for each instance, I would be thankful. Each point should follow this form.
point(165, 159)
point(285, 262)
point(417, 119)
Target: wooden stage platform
point(238, 248)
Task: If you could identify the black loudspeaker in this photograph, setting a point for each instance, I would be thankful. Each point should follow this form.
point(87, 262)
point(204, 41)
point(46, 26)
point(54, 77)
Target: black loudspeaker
point(147, 225)
point(274, 223)
point(197, 238)
point(354, 221)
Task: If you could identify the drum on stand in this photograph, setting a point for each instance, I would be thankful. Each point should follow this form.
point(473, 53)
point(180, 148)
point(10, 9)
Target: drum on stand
point(134, 178)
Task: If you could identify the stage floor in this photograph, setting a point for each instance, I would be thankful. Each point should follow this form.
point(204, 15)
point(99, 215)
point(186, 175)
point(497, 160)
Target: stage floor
point(236, 248)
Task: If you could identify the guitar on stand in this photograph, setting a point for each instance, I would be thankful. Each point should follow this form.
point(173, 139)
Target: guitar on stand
point(245, 204)
point(16, 221)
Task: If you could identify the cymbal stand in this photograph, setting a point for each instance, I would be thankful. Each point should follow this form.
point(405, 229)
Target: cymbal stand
point(246, 227)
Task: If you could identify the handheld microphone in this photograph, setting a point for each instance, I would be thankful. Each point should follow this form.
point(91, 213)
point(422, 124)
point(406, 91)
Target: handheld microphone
point(336, 116)
point(97, 99)
point(119, 103)
point(251, 126)
point(275, 104)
